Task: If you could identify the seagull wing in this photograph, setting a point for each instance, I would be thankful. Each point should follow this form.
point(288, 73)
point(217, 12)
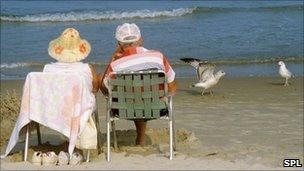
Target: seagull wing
point(192, 61)
point(289, 73)
point(197, 64)
point(206, 73)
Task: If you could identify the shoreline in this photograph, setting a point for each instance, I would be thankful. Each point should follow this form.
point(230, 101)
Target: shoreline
point(17, 83)
point(249, 123)
point(181, 69)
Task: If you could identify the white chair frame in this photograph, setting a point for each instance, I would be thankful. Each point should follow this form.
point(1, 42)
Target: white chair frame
point(39, 137)
point(111, 124)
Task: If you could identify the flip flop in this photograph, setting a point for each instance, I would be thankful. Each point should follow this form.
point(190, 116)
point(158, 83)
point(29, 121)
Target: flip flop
point(63, 158)
point(49, 158)
point(76, 159)
point(37, 158)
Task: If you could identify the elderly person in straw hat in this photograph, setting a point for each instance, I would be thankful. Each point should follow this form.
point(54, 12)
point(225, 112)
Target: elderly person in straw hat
point(69, 49)
point(131, 54)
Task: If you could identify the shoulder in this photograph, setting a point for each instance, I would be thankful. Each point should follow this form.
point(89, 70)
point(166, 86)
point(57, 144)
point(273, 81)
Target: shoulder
point(48, 67)
point(145, 50)
point(150, 52)
point(89, 66)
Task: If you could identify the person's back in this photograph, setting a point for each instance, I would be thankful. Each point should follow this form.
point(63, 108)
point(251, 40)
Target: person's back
point(131, 56)
point(140, 58)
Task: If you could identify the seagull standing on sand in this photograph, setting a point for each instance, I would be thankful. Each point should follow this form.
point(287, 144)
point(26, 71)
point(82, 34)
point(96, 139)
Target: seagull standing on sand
point(205, 73)
point(284, 72)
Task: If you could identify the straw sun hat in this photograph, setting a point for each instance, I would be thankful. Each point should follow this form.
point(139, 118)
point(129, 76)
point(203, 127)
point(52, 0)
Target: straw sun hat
point(69, 47)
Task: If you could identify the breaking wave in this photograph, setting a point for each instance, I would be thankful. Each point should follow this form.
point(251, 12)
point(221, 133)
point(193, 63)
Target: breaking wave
point(96, 15)
point(19, 65)
point(253, 9)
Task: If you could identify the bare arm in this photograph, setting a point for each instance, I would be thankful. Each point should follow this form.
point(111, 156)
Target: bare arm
point(95, 80)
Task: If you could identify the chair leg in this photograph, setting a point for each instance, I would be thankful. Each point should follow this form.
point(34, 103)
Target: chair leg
point(98, 131)
point(26, 143)
point(174, 135)
point(114, 134)
point(171, 139)
point(88, 156)
point(171, 128)
point(38, 134)
point(108, 141)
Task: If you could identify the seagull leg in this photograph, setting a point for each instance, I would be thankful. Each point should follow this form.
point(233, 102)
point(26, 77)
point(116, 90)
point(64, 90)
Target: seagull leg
point(203, 92)
point(286, 82)
point(211, 92)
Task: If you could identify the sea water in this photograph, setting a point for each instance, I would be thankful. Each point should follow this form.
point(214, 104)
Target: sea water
point(243, 38)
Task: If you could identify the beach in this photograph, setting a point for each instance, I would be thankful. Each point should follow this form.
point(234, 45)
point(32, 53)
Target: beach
point(252, 122)
point(249, 123)
point(209, 30)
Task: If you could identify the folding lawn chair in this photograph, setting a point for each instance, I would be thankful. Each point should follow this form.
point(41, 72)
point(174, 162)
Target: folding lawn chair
point(39, 74)
point(138, 95)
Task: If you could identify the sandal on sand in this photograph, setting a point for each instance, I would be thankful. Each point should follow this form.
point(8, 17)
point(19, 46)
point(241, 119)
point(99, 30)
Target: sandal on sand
point(49, 159)
point(37, 158)
point(63, 158)
point(76, 159)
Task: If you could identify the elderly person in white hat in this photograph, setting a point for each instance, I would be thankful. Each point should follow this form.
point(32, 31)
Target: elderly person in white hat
point(69, 49)
point(129, 49)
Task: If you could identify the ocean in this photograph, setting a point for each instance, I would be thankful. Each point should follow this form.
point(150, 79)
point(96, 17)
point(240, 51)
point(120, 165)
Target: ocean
point(243, 38)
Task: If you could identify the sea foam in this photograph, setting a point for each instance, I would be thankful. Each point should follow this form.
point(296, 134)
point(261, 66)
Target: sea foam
point(13, 65)
point(97, 15)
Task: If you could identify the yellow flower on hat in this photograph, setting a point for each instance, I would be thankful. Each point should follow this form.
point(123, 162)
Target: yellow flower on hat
point(69, 47)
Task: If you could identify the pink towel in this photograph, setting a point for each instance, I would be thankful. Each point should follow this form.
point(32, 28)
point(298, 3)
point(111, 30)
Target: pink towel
point(60, 101)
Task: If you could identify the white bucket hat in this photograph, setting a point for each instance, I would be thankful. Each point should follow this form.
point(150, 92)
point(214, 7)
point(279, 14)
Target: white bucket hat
point(127, 33)
point(69, 47)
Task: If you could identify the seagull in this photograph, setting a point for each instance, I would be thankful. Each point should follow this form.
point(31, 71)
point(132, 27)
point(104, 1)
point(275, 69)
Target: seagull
point(205, 73)
point(284, 72)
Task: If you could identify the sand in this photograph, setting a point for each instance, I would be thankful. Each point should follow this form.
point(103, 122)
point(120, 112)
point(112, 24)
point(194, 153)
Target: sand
point(250, 123)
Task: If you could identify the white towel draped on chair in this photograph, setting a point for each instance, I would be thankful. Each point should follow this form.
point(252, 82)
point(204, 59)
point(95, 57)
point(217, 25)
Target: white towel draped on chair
point(61, 101)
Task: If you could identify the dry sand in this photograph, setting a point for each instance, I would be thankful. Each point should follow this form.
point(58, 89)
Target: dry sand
point(249, 123)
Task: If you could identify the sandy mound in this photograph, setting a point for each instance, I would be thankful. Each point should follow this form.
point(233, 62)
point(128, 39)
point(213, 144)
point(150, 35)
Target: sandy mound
point(157, 140)
point(157, 143)
point(9, 110)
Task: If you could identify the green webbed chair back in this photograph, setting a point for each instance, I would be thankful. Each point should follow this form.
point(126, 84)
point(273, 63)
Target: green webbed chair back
point(136, 95)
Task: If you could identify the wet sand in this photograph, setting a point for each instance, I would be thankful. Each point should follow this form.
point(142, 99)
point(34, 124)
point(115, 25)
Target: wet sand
point(249, 123)
point(252, 119)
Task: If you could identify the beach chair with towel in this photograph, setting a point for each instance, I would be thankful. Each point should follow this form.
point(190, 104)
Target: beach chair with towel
point(138, 95)
point(62, 102)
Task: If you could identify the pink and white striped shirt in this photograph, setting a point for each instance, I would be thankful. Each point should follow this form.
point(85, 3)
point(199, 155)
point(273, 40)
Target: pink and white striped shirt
point(141, 60)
